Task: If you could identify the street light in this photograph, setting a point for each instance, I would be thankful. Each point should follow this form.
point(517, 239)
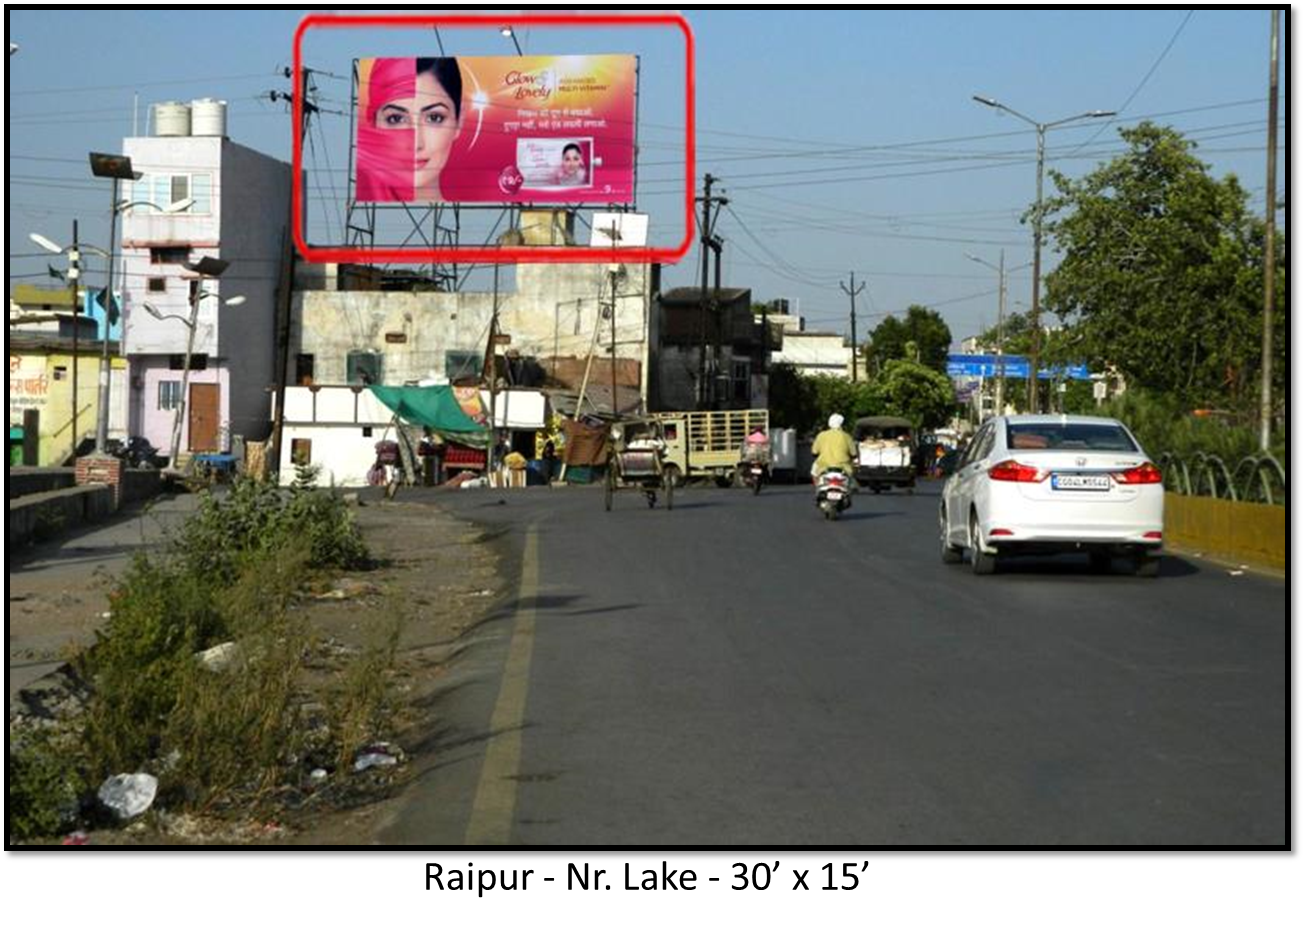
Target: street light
point(116, 167)
point(206, 267)
point(1041, 128)
point(509, 33)
point(1000, 324)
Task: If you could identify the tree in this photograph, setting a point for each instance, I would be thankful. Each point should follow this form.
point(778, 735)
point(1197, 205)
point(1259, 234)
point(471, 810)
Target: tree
point(1162, 271)
point(915, 391)
point(921, 326)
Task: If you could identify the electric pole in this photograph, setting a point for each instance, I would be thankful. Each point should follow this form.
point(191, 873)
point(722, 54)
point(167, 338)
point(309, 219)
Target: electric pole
point(1269, 245)
point(74, 275)
point(853, 292)
point(708, 244)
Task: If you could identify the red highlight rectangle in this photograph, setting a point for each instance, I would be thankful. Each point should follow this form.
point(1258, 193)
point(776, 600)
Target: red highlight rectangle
point(482, 254)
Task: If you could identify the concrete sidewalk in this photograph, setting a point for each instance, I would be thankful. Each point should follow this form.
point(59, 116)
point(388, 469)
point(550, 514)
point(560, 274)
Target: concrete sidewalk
point(58, 590)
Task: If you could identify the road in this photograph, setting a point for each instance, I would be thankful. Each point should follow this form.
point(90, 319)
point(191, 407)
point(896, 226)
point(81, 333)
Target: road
point(739, 671)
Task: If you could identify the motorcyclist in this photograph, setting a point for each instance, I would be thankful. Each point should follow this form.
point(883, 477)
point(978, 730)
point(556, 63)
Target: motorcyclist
point(757, 445)
point(833, 448)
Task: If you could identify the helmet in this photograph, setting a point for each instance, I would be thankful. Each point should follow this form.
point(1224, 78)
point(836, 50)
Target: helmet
point(835, 421)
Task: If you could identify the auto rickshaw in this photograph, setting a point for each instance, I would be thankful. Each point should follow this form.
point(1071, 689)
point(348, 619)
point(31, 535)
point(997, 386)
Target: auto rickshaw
point(637, 461)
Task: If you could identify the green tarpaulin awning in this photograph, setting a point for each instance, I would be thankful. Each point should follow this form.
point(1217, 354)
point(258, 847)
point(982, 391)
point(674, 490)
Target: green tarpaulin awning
point(433, 407)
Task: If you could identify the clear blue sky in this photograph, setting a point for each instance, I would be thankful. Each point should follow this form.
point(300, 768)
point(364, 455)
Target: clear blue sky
point(781, 96)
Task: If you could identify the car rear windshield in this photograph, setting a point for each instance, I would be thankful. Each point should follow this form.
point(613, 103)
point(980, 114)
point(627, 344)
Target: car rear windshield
point(1053, 436)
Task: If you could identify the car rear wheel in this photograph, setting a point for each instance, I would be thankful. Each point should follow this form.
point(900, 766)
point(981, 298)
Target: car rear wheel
point(984, 564)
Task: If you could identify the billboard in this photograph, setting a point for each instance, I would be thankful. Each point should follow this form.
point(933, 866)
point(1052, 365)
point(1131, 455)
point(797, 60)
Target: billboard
point(503, 130)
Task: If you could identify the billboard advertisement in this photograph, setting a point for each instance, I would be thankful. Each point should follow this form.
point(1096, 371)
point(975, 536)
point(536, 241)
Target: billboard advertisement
point(526, 129)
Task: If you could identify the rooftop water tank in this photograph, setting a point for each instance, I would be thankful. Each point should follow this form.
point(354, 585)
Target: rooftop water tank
point(208, 117)
point(171, 119)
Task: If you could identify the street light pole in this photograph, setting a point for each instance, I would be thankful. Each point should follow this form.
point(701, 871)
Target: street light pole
point(180, 412)
point(74, 273)
point(1269, 245)
point(1035, 317)
point(206, 267)
point(116, 167)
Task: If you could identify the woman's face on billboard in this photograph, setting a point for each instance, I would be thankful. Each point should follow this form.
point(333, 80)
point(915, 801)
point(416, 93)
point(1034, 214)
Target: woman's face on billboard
point(431, 115)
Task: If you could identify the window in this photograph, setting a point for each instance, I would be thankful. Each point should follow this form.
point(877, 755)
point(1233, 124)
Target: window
point(169, 255)
point(462, 364)
point(197, 362)
point(364, 367)
point(742, 380)
point(1055, 436)
point(158, 285)
point(303, 369)
point(169, 394)
point(301, 451)
point(163, 190)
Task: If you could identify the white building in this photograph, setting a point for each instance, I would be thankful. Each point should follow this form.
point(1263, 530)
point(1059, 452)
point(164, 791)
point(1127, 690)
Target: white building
point(239, 212)
point(815, 353)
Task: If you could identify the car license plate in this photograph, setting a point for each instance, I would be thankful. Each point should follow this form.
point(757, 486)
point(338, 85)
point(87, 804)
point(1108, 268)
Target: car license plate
point(1075, 482)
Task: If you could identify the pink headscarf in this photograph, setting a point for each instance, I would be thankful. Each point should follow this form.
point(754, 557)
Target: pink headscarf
point(385, 156)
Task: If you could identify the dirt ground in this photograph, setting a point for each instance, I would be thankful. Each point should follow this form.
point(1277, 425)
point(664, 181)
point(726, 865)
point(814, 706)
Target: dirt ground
point(441, 575)
point(437, 576)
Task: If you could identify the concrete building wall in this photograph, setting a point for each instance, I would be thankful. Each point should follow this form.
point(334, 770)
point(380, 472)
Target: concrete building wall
point(155, 423)
point(815, 354)
point(255, 218)
point(41, 379)
point(553, 310)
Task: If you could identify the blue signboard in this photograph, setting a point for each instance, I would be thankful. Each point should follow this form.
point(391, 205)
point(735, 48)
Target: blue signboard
point(1016, 367)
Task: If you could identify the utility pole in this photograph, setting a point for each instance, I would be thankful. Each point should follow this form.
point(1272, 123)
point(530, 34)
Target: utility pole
point(74, 273)
point(853, 292)
point(1035, 315)
point(707, 245)
point(1269, 245)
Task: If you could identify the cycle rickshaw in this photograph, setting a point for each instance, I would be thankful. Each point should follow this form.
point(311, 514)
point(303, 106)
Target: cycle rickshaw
point(637, 461)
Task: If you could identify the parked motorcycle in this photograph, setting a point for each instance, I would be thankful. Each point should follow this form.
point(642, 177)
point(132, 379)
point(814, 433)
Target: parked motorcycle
point(833, 493)
point(137, 453)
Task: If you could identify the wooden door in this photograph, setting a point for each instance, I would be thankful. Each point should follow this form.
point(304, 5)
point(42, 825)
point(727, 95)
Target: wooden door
point(204, 413)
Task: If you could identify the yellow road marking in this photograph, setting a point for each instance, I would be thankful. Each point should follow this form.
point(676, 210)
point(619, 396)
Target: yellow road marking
point(495, 795)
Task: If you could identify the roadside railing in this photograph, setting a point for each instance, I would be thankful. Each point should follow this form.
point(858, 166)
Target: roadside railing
point(1258, 478)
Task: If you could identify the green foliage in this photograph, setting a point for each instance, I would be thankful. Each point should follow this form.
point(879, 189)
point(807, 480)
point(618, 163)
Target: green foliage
point(44, 779)
point(1164, 425)
point(915, 391)
point(212, 734)
point(805, 402)
point(162, 613)
point(257, 517)
point(1162, 272)
point(237, 729)
point(359, 703)
point(921, 336)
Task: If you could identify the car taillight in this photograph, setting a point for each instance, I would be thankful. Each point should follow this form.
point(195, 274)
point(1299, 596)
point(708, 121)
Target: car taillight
point(1143, 475)
point(1012, 471)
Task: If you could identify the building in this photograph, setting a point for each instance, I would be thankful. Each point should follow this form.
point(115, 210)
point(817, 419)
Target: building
point(709, 357)
point(555, 330)
point(227, 202)
point(41, 393)
point(815, 353)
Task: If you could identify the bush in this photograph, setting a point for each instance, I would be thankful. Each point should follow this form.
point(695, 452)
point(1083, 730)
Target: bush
point(1164, 425)
point(257, 517)
point(45, 784)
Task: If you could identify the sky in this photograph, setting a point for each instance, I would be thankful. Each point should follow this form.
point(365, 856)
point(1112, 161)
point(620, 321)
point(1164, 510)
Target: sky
point(844, 140)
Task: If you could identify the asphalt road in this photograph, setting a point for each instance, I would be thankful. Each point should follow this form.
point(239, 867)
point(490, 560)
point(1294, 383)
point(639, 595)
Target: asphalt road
point(740, 671)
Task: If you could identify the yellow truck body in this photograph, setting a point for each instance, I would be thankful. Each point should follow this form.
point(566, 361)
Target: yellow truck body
point(709, 444)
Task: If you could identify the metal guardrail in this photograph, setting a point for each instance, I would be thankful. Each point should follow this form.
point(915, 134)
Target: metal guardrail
point(1257, 478)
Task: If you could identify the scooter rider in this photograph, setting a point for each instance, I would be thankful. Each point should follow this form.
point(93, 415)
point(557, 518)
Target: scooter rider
point(833, 448)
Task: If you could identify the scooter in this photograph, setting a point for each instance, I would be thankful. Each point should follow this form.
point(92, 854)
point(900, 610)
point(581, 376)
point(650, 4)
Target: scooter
point(833, 493)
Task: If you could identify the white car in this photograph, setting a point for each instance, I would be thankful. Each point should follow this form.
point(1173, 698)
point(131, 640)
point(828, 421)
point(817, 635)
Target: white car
point(1051, 483)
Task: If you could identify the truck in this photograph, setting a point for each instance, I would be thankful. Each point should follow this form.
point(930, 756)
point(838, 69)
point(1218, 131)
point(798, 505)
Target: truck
point(885, 453)
point(708, 444)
